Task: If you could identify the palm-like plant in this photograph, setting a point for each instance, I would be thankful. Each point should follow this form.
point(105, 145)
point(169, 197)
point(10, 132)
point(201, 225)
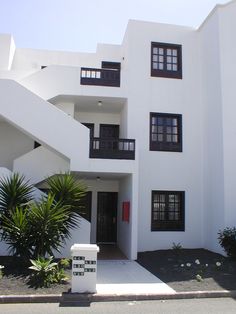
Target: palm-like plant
point(33, 229)
point(49, 225)
point(15, 191)
point(16, 232)
point(68, 191)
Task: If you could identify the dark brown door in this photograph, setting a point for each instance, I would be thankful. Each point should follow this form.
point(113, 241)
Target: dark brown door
point(106, 217)
point(109, 131)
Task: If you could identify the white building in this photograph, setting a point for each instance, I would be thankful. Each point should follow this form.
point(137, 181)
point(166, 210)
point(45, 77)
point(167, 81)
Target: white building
point(158, 144)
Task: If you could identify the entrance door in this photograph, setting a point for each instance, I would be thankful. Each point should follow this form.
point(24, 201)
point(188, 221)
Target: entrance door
point(109, 131)
point(106, 217)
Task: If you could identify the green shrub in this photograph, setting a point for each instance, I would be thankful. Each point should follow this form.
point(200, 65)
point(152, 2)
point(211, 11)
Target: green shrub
point(1, 272)
point(33, 229)
point(46, 272)
point(15, 191)
point(48, 221)
point(16, 232)
point(43, 272)
point(227, 239)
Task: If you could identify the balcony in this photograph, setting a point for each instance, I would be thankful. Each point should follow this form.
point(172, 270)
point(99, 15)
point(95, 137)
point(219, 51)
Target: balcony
point(112, 148)
point(100, 77)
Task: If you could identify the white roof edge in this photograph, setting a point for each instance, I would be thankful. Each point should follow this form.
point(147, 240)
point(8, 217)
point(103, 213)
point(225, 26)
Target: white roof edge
point(218, 6)
point(160, 23)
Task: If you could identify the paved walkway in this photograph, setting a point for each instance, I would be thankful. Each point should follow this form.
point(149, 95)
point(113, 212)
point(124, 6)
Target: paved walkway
point(128, 277)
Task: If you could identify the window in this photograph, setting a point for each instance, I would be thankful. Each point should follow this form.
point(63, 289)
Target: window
point(166, 132)
point(167, 211)
point(166, 60)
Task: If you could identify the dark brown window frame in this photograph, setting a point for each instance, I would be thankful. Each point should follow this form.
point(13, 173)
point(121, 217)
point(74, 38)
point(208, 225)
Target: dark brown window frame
point(164, 72)
point(168, 224)
point(165, 145)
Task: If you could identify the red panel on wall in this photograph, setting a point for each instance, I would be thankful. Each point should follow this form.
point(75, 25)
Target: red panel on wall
point(125, 211)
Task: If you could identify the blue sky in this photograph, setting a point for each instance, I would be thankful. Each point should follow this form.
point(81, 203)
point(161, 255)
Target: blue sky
point(78, 25)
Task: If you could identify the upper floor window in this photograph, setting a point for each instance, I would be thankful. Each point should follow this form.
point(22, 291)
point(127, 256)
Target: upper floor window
point(166, 60)
point(168, 211)
point(166, 132)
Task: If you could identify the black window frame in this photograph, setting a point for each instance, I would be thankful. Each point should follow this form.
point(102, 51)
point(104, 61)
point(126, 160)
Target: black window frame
point(168, 224)
point(166, 145)
point(165, 72)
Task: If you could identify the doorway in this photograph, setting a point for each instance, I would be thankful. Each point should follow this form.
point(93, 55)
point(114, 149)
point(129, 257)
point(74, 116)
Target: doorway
point(107, 217)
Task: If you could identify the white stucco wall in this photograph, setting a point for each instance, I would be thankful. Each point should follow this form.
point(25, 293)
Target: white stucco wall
point(40, 163)
point(214, 217)
point(227, 23)
point(13, 144)
point(47, 124)
point(166, 170)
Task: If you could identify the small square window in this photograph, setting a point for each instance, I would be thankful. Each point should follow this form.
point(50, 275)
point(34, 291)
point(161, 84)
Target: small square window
point(165, 132)
point(168, 209)
point(166, 60)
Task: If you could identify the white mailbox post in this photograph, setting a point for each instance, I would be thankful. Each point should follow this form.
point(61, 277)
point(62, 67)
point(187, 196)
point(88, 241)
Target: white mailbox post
point(84, 268)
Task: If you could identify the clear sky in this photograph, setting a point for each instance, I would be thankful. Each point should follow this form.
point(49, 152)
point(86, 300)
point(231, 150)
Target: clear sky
point(78, 25)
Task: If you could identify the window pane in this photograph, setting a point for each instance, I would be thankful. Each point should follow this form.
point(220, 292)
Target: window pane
point(154, 137)
point(160, 121)
point(160, 66)
point(169, 52)
point(174, 60)
point(174, 130)
point(155, 58)
point(175, 138)
point(154, 129)
point(160, 129)
point(154, 50)
point(169, 130)
point(174, 52)
point(174, 67)
point(154, 120)
point(169, 67)
point(154, 65)
point(160, 137)
point(162, 216)
point(169, 59)
point(160, 58)
point(168, 138)
point(174, 121)
point(168, 121)
point(162, 198)
point(161, 51)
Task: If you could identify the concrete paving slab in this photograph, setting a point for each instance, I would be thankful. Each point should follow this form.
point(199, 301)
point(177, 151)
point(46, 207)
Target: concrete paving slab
point(128, 277)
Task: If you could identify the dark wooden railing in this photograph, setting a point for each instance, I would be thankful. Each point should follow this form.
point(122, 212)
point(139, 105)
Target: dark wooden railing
point(112, 148)
point(100, 77)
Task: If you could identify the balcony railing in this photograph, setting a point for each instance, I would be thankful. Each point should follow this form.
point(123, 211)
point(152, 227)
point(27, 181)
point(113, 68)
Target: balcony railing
point(112, 148)
point(100, 77)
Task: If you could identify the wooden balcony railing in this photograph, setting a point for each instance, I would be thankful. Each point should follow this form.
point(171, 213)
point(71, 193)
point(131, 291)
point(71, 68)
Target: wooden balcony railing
point(112, 148)
point(100, 77)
